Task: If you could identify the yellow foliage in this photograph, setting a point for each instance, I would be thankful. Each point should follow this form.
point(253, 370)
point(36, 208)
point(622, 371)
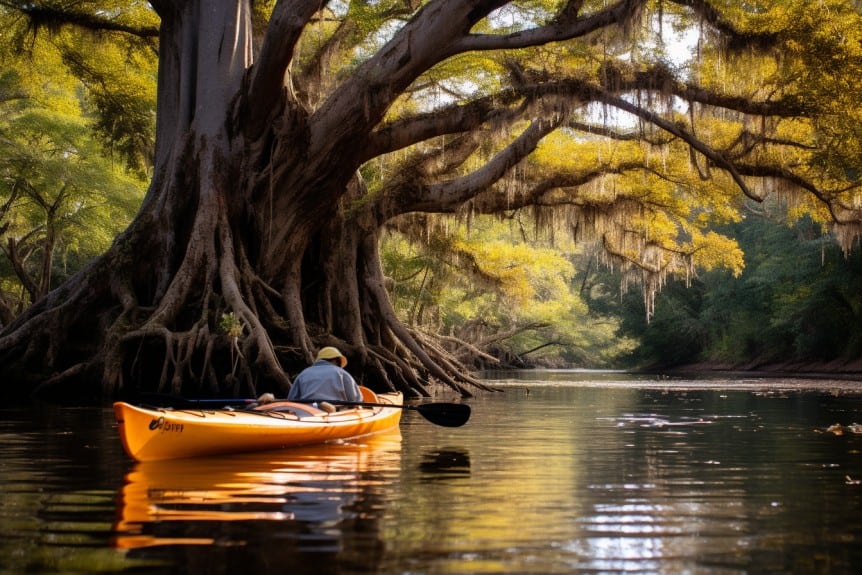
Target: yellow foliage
point(712, 250)
point(525, 273)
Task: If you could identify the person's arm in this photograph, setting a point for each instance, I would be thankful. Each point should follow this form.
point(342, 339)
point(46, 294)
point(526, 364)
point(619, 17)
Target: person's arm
point(351, 388)
point(294, 392)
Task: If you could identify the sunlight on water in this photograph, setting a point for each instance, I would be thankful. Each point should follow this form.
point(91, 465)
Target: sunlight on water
point(562, 472)
point(312, 485)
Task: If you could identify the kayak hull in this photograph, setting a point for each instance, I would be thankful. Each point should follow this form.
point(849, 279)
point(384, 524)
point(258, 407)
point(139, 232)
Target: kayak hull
point(154, 433)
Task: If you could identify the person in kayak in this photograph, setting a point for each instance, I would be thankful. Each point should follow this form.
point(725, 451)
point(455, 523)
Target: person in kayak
point(325, 379)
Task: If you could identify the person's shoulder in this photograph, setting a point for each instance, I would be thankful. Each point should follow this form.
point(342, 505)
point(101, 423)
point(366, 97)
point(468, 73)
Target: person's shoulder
point(348, 376)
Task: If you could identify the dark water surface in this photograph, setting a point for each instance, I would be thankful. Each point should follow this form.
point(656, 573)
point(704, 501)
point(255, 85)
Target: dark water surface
point(563, 472)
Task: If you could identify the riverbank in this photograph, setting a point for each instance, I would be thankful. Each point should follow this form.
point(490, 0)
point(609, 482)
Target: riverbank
point(844, 370)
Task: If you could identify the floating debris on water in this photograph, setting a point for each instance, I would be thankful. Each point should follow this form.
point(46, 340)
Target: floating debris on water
point(838, 429)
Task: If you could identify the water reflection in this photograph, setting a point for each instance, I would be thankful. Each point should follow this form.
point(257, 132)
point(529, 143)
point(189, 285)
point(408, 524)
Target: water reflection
point(188, 501)
point(613, 478)
point(440, 464)
point(605, 477)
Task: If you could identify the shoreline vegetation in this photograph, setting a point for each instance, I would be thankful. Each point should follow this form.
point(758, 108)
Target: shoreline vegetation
point(845, 370)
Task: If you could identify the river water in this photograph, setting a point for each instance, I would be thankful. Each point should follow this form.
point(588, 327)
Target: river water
point(561, 472)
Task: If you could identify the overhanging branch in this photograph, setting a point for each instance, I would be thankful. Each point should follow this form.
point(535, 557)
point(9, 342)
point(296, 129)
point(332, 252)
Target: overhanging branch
point(452, 119)
point(565, 27)
point(454, 192)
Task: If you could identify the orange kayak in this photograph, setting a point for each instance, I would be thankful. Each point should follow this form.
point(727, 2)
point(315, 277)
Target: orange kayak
point(156, 433)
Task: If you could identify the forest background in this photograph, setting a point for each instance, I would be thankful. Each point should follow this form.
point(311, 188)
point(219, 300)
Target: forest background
point(76, 156)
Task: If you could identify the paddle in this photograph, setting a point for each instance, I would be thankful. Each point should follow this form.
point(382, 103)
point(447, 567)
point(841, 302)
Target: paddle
point(443, 414)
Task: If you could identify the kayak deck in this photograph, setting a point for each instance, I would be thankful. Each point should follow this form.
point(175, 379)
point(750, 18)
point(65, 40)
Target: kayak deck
point(156, 433)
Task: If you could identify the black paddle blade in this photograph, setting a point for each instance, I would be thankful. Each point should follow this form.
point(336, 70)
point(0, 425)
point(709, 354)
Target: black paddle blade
point(445, 414)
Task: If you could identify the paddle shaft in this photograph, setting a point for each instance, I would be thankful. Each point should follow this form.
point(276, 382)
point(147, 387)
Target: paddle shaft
point(358, 403)
point(231, 400)
point(445, 414)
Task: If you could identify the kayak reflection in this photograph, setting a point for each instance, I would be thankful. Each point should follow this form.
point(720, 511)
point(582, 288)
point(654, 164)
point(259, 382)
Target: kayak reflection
point(187, 501)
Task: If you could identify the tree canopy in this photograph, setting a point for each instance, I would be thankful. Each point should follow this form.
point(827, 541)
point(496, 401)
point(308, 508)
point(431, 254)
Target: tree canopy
point(291, 135)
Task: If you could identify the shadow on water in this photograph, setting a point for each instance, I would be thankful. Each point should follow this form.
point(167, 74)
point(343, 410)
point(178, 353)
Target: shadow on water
point(444, 464)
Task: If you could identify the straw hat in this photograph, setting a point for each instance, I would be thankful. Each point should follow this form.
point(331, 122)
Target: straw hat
point(330, 352)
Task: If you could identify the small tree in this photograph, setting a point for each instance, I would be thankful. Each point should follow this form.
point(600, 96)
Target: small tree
point(61, 200)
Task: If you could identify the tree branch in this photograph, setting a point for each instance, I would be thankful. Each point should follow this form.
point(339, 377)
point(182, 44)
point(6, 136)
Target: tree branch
point(449, 195)
point(535, 195)
point(782, 173)
point(451, 119)
point(17, 262)
point(680, 132)
point(735, 39)
point(363, 99)
point(49, 15)
point(660, 78)
point(565, 27)
point(269, 78)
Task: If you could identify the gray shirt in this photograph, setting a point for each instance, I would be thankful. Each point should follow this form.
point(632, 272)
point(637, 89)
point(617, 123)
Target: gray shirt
point(326, 381)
